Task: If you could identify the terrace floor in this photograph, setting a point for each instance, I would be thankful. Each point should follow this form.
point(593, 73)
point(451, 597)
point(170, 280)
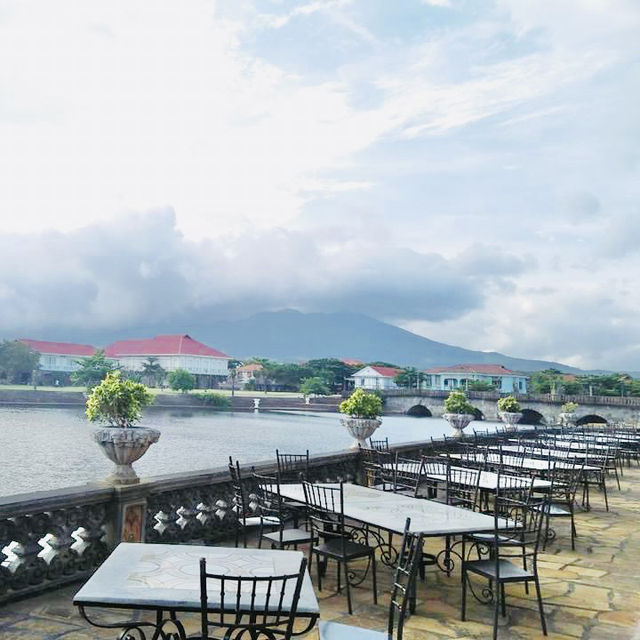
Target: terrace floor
point(591, 593)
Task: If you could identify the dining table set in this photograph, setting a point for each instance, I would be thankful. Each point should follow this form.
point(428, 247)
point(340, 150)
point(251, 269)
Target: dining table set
point(456, 494)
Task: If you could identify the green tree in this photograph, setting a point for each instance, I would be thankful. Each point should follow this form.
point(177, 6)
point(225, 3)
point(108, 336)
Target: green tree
point(332, 371)
point(153, 372)
point(92, 370)
point(546, 381)
point(314, 387)
point(409, 378)
point(17, 361)
point(181, 380)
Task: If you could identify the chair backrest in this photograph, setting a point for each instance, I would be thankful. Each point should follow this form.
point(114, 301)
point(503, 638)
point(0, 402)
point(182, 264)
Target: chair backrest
point(435, 476)
point(524, 519)
point(293, 466)
point(261, 606)
point(240, 503)
point(379, 445)
point(409, 475)
point(325, 508)
point(463, 487)
point(404, 581)
point(269, 500)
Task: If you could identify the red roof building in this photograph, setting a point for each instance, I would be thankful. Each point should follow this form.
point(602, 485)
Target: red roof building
point(458, 376)
point(59, 356)
point(174, 351)
point(375, 377)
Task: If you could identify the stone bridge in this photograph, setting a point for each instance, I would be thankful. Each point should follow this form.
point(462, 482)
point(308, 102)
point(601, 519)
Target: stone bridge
point(537, 409)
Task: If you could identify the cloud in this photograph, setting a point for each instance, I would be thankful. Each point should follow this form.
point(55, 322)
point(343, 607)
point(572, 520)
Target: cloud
point(141, 268)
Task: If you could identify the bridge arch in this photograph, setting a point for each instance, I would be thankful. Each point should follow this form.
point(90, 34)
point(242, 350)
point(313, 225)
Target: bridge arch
point(419, 411)
point(530, 416)
point(591, 417)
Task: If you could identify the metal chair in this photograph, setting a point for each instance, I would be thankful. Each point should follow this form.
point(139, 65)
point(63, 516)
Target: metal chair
point(326, 515)
point(293, 467)
point(272, 507)
point(502, 567)
point(246, 517)
point(379, 445)
point(401, 597)
point(253, 607)
point(408, 476)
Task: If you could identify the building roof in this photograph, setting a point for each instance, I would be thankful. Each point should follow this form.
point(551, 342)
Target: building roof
point(59, 348)
point(254, 366)
point(166, 345)
point(487, 369)
point(386, 372)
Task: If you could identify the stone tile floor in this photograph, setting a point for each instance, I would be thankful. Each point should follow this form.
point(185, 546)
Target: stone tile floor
point(591, 593)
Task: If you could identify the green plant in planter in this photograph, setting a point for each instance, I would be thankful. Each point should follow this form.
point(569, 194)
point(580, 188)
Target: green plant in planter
point(569, 407)
point(361, 404)
point(508, 405)
point(457, 402)
point(118, 402)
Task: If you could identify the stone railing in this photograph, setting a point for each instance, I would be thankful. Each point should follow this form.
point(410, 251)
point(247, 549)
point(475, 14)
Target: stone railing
point(56, 537)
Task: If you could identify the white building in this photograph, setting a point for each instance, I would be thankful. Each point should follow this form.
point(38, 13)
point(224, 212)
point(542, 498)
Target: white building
point(374, 377)
point(171, 352)
point(458, 376)
point(59, 357)
point(246, 373)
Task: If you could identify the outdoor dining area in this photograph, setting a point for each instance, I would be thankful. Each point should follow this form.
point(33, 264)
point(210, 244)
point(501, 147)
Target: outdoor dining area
point(512, 535)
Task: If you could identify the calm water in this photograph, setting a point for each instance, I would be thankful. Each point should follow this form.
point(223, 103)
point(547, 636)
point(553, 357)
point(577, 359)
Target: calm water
point(48, 448)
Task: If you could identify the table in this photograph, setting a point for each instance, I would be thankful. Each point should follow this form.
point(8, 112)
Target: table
point(165, 579)
point(488, 479)
point(387, 511)
point(542, 450)
point(532, 464)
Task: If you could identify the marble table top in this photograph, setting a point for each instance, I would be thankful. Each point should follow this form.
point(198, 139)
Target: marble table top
point(388, 511)
point(167, 576)
point(513, 461)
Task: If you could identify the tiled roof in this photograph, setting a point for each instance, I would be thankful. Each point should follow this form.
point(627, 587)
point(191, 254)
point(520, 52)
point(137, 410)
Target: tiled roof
point(350, 362)
point(388, 372)
point(487, 369)
point(167, 345)
point(59, 348)
point(254, 366)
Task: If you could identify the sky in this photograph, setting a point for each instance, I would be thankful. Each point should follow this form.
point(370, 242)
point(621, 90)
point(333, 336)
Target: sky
point(465, 169)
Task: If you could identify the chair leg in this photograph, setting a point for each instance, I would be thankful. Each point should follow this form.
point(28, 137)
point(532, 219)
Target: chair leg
point(604, 490)
point(496, 611)
point(319, 569)
point(540, 607)
point(346, 580)
point(524, 566)
point(463, 612)
point(374, 578)
point(503, 601)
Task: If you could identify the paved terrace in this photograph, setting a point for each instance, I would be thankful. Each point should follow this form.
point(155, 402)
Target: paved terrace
point(592, 593)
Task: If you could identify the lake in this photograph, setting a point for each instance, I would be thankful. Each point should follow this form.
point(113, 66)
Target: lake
point(50, 448)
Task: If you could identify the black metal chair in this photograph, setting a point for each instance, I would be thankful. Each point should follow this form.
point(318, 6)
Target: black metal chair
point(326, 514)
point(379, 445)
point(565, 478)
point(272, 507)
point(401, 597)
point(246, 517)
point(503, 565)
point(408, 476)
point(252, 607)
point(293, 467)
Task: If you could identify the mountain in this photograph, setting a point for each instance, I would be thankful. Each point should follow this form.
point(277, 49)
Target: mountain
point(294, 336)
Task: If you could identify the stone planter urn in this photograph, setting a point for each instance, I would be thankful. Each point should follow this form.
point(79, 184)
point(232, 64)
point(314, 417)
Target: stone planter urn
point(458, 422)
point(567, 419)
point(123, 446)
point(510, 419)
point(361, 429)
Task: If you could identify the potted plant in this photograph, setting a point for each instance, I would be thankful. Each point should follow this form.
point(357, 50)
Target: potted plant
point(458, 412)
point(363, 410)
point(509, 412)
point(568, 414)
point(119, 403)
